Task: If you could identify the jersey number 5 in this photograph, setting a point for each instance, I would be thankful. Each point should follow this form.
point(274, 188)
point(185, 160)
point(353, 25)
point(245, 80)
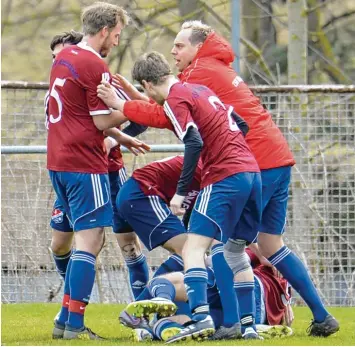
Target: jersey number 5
point(214, 100)
point(58, 82)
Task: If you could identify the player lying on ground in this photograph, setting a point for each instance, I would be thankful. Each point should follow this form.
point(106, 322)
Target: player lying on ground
point(272, 305)
point(204, 57)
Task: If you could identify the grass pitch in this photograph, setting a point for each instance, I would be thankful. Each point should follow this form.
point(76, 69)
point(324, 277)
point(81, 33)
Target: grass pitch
point(31, 324)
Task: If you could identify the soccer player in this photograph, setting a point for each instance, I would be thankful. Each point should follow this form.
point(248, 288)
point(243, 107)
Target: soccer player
point(62, 235)
point(230, 198)
point(204, 57)
point(77, 158)
point(273, 296)
point(143, 205)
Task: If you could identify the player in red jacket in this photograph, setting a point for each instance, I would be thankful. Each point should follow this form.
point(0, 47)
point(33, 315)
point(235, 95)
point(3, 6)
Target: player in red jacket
point(204, 57)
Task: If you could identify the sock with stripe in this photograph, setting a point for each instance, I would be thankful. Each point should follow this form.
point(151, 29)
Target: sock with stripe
point(246, 303)
point(162, 288)
point(163, 324)
point(295, 272)
point(138, 272)
point(195, 280)
point(173, 264)
point(64, 311)
point(224, 279)
point(61, 262)
point(82, 277)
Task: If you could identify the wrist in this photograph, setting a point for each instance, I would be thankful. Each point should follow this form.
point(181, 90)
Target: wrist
point(113, 142)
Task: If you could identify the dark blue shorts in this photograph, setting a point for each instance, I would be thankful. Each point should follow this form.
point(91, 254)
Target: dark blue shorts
point(148, 215)
point(230, 208)
point(117, 179)
point(59, 220)
point(275, 183)
point(85, 198)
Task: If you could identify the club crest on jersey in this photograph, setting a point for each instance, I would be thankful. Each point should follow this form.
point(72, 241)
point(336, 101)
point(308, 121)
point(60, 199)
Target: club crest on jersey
point(105, 77)
point(57, 216)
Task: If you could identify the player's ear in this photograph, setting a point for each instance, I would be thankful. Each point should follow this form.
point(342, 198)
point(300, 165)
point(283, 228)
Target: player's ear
point(105, 31)
point(145, 84)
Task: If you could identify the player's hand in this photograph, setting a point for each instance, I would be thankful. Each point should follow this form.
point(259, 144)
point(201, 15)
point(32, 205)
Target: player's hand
point(175, 205)
point(121, 82)
point(134, 145)
point(108, 95)
point(289, 316)
point(108, 145)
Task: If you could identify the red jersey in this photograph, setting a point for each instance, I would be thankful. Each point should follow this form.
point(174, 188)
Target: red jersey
point(276, 290)
point(161, 178)
point(74, 143)
point(224, 151)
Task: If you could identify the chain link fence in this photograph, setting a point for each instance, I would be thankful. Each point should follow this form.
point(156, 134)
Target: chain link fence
point(319, 124)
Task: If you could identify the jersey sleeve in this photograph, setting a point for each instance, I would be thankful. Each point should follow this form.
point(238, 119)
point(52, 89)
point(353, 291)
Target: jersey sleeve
point(146, 113)
point(178, 112)
point(96, 73)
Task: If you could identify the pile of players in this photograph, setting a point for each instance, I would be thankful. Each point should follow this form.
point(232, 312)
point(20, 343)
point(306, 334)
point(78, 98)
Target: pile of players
point(231, 185)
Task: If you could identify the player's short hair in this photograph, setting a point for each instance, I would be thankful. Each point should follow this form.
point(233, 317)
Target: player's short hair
point(101, 14)
point(151, 67)
point(199, 31)
point(71, 37)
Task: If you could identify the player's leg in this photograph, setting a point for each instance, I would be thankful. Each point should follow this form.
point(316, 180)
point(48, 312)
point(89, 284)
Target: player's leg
point(175, 246)
point(247, 209)
point(226, 287)
point(90, 210)
point(62, 237)
point(206, 223)
point(128, 241)
point(275, 190)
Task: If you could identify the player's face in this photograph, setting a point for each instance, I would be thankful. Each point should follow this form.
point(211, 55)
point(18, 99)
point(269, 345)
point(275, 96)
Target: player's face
point(183, 51)
point(111, 39)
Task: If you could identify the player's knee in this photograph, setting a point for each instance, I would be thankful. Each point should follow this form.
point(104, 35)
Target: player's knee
point(269, 244)
point(236, 258)
point(129, 245)
point(61, 243)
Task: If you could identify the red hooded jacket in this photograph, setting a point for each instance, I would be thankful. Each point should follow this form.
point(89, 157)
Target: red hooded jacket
point(212, 68)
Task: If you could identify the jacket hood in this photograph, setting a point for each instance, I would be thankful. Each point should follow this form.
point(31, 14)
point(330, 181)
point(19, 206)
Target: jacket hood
point(216, 47)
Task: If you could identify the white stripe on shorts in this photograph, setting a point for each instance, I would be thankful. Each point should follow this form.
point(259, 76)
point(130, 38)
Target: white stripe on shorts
point(157, 208)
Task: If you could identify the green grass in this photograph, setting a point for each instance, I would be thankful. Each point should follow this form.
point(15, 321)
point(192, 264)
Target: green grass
point(31, 324)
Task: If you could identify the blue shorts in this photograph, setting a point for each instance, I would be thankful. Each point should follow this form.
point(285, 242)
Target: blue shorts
point(275, 183)
point(149, 216)
point(59, 220)
point(230, 208)
point(117, 179)
point(85, 198)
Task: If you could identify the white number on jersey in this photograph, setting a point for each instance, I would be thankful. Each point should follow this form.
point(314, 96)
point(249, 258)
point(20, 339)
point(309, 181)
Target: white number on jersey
point(214, 101)
point(60, 83)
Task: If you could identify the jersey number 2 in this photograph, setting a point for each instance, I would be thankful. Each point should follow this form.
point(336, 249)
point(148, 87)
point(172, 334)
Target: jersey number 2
point(60, 83)
point(232, 123)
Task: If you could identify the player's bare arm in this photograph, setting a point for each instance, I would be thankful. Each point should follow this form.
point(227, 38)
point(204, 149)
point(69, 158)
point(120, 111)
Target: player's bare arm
point(132, 144)
point(107, 94)
point(105, 121)
point(121, 82)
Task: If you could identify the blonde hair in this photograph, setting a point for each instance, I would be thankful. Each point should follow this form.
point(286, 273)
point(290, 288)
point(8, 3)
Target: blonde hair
point(199, 31)
point(101, 14)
